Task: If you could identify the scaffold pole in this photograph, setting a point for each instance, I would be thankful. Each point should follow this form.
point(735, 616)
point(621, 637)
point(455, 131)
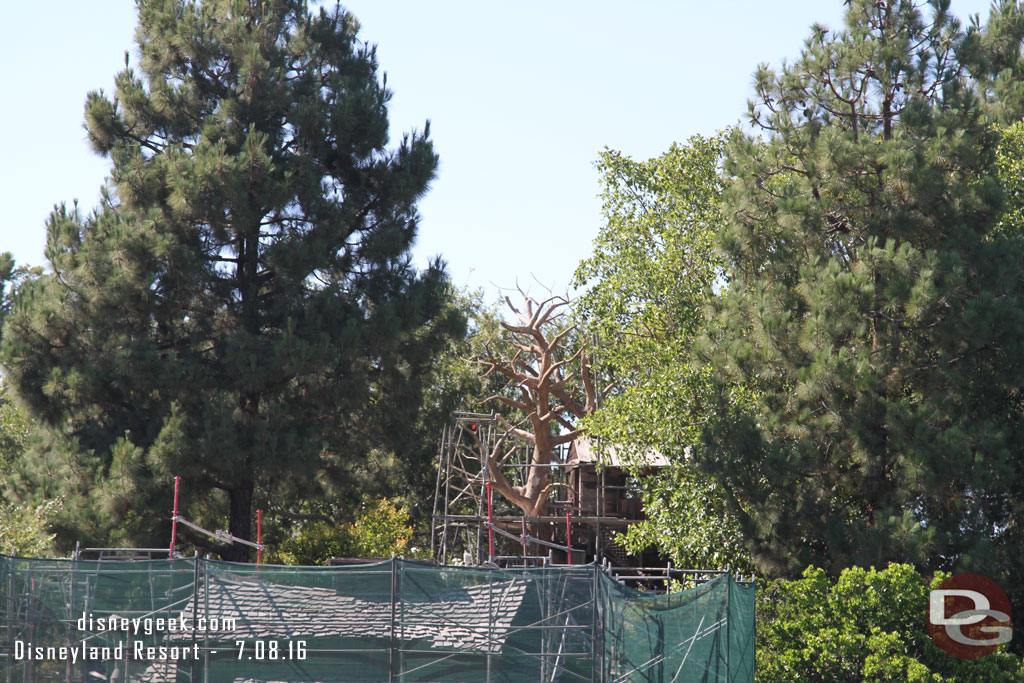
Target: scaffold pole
point(174, 518)
point(568, 538)
point(259, 537)
point(490, 525)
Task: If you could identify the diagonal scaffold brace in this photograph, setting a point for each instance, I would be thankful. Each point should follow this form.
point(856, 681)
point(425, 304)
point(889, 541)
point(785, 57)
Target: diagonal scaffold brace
point(220, 535)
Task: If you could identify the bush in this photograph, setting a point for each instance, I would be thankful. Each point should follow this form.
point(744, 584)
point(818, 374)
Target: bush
point(379, 530)
point(868, 625)
point(24, 530)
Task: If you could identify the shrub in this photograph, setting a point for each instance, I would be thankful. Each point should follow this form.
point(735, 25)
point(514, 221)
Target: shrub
point(868, 625)
point(24, 529)
point(379, 529)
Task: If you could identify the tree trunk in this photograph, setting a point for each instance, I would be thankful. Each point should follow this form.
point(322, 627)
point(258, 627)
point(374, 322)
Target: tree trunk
point(240, 521)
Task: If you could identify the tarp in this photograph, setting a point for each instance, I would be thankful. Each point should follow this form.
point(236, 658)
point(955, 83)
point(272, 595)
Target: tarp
point(168, 621)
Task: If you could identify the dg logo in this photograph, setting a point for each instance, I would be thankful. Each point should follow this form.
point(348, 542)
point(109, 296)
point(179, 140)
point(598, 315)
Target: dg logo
point(969, 616)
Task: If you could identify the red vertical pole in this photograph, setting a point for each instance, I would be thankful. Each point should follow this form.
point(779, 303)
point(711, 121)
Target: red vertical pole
point(568, 538)
point(174, 517)
point(259, 536)
point(490, 525)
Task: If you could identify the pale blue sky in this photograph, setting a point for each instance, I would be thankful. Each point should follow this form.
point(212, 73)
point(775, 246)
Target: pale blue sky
point(521, 97)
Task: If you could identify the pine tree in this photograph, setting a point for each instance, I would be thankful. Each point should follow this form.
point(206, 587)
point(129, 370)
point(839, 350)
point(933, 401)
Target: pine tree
point(996, 60)
point(868, 345)
point(240, 310)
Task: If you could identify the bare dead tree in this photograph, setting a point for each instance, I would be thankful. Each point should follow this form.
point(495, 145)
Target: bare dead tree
point(550, 389)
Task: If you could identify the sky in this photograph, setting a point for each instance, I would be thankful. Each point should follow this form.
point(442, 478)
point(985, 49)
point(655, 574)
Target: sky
point(521, 99)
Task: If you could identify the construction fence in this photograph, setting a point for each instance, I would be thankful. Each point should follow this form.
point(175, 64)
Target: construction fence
point(170, 621)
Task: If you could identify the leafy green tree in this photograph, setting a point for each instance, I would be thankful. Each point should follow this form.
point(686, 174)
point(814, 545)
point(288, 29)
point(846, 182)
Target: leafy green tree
point(867, 625)
point(1010, 168)
point(873, 315)
point(654, 270)
point(24, 529)
point(14, 431)
point(241, 309)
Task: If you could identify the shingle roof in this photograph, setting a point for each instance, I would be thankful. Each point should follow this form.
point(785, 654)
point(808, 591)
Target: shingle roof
point(582, 451)
point(158, 671)
point(474, 618)
point(468, 619)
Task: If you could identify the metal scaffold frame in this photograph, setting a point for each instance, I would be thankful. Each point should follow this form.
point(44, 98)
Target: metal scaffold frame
point(467, 515)
point(469, 518)
point(464, 515)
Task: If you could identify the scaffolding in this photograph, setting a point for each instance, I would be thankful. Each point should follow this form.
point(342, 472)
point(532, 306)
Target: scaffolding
point(204, 621)
point(590, 503)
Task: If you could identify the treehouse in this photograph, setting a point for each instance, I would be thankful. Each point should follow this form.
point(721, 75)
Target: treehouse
point(522, 484)
point(592, 496)
point(601, 485)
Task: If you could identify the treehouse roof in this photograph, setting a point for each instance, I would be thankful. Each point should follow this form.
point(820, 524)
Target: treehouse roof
point(584, 451)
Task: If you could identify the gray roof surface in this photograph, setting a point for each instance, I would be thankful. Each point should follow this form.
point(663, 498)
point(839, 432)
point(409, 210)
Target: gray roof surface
point(468, 619)
point(158, 671)
point(583, 451)
point(474, 618)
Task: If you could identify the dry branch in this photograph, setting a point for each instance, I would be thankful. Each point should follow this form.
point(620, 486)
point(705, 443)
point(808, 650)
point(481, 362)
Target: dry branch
point(556, 389)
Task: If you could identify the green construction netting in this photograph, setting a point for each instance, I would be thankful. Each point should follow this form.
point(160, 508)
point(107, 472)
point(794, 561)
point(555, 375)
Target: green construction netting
point(181, 620)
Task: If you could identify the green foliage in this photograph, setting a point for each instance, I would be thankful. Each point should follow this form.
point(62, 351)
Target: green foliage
point(653, 271)
point(867, 625)
point(457, 381)
point(11, 276)
point(241, 309)
point(1010, 169)
point(401, 465)
point(996, 61)
point(873, 315)
point(14, 431)
point(687, 521)
point(7, 274)
point(380, 529)
point(24, 529)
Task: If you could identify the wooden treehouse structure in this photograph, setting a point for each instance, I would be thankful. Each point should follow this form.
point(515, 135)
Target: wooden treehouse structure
point(591, 498)
point(523, 485)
